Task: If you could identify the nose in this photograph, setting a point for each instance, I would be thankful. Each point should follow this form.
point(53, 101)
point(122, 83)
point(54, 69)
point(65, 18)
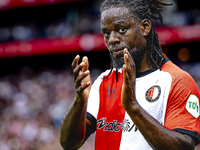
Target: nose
point(113, 39)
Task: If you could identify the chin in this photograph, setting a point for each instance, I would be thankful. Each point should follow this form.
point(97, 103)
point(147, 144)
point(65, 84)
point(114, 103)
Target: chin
point(118, 63)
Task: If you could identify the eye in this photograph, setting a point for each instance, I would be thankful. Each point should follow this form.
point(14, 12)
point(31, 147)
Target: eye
point(122, 30)
point(106, 34)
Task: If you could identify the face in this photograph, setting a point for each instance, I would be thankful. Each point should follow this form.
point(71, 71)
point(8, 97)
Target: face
point(121, 30)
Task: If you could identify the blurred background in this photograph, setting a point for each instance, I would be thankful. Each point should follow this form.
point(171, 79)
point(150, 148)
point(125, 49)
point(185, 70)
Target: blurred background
point(38, 41)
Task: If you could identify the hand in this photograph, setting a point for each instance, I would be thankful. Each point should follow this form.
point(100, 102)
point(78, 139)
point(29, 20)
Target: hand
point(82, 80)
point(128, 97)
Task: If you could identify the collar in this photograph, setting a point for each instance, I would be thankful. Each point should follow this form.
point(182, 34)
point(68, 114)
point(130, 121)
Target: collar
point(144, 73)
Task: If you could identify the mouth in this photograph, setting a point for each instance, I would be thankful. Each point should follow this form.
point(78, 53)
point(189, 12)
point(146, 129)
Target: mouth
point(118, 53)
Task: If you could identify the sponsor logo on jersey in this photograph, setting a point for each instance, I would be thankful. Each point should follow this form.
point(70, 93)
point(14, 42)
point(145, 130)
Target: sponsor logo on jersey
point(110, 92)
point(115, 126)
point(153, 93)
point(192, 105)
point(125, 126)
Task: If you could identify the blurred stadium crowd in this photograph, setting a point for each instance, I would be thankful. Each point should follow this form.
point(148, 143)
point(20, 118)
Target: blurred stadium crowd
point(75, 19)
point(33, 103)
point(65, 20)
point(32, 106)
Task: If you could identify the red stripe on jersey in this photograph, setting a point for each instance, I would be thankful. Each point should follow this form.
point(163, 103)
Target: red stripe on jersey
point(111, 114)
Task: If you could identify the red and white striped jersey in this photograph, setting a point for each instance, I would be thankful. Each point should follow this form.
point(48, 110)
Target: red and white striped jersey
point(169, 94)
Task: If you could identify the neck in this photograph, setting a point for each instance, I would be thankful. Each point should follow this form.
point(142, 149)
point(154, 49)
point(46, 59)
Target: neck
point(143, 65)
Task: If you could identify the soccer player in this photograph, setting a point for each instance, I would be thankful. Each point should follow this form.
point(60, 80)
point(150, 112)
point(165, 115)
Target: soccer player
point(144, 101)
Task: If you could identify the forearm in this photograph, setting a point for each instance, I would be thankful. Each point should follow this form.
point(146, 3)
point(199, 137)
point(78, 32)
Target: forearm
point(73, 126)
point(155, 134)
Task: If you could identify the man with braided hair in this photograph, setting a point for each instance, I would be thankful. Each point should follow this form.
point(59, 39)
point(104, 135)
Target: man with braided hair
point(144, 101)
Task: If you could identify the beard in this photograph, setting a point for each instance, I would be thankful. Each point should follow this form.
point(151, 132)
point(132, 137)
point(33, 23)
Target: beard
point(137, 56)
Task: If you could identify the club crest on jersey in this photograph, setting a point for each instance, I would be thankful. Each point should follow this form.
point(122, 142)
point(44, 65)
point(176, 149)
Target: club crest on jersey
point(153, 93)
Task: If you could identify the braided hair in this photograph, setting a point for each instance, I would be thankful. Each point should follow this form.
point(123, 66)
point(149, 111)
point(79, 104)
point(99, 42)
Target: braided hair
point(144, 9)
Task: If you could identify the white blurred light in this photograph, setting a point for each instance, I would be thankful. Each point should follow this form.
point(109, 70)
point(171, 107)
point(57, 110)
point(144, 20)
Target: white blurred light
point(4, 3)
point(87, 42)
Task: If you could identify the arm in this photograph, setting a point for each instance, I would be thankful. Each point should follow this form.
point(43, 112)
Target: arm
point(197, 147)
point(73, 126)
point(155, 134)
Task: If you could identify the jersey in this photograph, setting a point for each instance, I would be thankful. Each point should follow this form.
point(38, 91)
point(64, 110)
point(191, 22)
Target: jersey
point(169, 94)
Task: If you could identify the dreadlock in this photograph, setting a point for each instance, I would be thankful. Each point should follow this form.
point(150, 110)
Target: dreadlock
point(144, 9)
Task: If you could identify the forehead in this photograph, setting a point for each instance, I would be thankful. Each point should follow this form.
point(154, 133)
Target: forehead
point(114, 14)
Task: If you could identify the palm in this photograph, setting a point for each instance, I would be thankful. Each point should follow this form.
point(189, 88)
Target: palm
point(128, 87)
point(86, 92)
point(82, 80)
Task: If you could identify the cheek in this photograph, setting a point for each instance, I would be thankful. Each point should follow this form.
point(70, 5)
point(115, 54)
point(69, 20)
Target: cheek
point(140, 41)
point(132, 39)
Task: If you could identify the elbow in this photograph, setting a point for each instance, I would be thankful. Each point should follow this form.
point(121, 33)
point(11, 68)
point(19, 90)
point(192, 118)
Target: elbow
point(66, 147)
point(71, 140)
point(186, 143)
point(69, 144)
point(63, 144)
point(190, 142)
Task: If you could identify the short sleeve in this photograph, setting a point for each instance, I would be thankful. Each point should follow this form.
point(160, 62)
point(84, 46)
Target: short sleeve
point(182, 113)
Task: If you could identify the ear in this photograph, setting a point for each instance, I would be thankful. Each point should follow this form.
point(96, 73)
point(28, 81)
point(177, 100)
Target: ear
point(146, 26)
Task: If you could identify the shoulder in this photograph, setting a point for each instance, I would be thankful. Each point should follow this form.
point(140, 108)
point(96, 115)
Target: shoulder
point(179, 77)
point(182, 84)
point(175, 72)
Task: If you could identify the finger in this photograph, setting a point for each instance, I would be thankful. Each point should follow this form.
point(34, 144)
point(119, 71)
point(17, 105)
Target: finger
point(75, 62)
point(77, 70)
point(126, 58)
point(86, 64)
point(80, 78)
point(129, 62)
point(83, 87)
point(125, 74)
point(129, 67)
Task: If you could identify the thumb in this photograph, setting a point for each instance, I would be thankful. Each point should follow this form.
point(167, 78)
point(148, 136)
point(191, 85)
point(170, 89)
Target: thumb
point(86, 64)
